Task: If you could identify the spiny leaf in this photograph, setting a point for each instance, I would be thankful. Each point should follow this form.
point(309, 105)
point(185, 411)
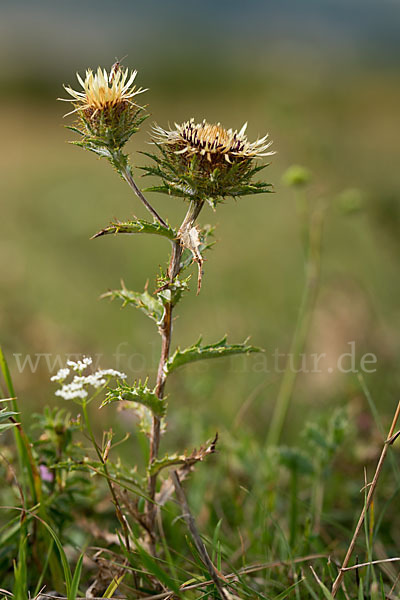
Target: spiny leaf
point(188, 460)
point(93, 147)
point(171, 291)
point(147, 303)
point(6, 426)
point(117, 473)
point(109, 131)
point(137, 226)
point(199, 352)
point(194, 180)
point(74, 129)
point(140, 393)
point(6, 414)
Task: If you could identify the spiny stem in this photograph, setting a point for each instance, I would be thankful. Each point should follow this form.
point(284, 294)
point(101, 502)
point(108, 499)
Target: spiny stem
point(166, 332)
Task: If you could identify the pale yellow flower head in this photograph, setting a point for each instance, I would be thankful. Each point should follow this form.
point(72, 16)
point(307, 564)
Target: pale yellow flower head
point(103, 90)
point(107, 113)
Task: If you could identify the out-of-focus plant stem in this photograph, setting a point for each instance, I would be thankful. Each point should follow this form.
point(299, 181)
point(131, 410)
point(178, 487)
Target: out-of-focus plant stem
point(106, 474)
point(312, 272)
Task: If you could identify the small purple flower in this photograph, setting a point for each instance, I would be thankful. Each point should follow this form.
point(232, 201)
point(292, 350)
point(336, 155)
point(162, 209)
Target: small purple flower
point(46, 474)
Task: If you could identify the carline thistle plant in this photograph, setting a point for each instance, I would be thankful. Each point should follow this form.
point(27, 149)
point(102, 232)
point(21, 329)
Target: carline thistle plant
point(201, 163)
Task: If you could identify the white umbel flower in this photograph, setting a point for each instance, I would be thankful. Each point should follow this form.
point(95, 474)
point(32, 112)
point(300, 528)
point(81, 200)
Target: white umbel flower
point(60, 375)
point(80, 365)
point(77, 389)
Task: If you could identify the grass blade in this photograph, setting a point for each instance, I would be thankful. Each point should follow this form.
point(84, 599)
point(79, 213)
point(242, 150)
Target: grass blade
point(76, 579)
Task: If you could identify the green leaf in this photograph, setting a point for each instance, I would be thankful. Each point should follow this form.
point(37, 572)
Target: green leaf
point(93, 147)
point(137, 226)
point(4, 416)
point(199, 352)
point(7, 377)
point(147, 303)
point(361, 590)
point(124, 478)
point(286, 592)
point(188, 460)
point(114, 585)
point(20, 572)
point(139, 393)
point(74, 129)
point(76, 579)
point(6, 426)
point(327, 594)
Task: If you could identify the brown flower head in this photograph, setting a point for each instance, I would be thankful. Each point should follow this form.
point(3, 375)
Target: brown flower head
point(212, 141)
point(205, 161)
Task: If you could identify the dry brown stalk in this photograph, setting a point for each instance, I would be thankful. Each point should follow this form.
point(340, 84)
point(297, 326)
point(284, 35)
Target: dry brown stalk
point(191, 524)
point(392, 436)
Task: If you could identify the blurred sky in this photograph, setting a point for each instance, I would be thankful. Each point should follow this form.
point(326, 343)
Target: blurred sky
point(47, 38)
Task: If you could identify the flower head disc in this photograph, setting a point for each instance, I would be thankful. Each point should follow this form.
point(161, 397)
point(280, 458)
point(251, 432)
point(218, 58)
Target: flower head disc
point(105, 105)
point(203, 161)
point(212, 140)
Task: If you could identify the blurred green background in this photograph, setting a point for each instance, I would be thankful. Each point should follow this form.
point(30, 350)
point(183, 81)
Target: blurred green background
point(322, 77)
